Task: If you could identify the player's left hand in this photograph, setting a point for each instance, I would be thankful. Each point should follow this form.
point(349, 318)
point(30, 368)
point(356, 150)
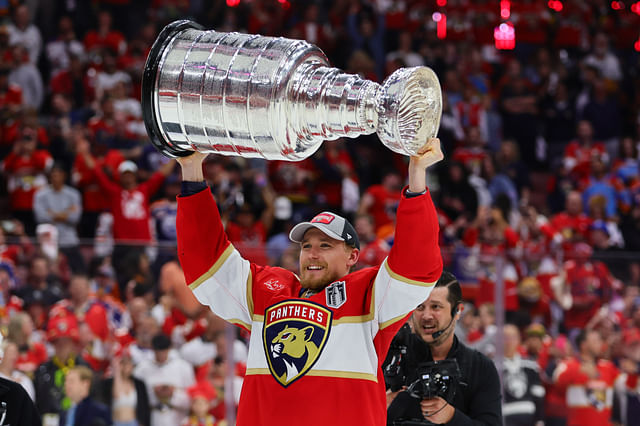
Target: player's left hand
point(437, 410)
point(429, 154)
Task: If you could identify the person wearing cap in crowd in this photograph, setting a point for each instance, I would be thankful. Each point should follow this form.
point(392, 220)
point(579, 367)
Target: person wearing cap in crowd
point(203, 396)
point(129, 205)
point(327, 328)
point(49, 378)
point(167, 378)
point(90, 313)
point(125, 395)
point(84, 410)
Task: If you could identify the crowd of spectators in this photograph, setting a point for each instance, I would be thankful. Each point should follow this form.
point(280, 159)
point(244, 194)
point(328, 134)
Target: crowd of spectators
point(539, 190)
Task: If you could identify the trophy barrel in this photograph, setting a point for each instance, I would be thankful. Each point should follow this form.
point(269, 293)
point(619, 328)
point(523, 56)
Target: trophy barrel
point(149, 109)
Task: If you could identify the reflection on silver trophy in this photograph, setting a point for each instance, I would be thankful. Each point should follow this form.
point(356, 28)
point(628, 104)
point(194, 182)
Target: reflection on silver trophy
point(274, 98)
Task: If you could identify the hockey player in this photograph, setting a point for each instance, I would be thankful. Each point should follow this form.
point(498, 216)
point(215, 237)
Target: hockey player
point(317, 340)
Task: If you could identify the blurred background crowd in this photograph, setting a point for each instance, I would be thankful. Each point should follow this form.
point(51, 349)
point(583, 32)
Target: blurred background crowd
point(539, 193)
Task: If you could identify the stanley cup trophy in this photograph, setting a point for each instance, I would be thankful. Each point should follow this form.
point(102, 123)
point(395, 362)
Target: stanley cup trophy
point(274, 98)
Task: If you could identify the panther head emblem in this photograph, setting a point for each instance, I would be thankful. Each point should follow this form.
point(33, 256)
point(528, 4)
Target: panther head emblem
point(294, 334)
point(296, 349)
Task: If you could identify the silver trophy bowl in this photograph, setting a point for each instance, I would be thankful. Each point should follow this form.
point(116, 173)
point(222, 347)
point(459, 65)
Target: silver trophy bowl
point(274, 98)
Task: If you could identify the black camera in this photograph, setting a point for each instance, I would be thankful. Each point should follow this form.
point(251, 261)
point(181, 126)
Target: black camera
point(394, 376)
point(436, 378)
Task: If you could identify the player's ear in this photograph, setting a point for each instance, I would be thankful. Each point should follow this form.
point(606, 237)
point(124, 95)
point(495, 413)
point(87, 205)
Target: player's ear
point(353, 257)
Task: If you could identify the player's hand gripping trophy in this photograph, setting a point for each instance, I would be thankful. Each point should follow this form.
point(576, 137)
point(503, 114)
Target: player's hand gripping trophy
point(274, 98)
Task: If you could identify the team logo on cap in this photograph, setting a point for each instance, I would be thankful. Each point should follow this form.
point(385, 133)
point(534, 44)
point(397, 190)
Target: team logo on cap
point(325, 218)
point(294, 335)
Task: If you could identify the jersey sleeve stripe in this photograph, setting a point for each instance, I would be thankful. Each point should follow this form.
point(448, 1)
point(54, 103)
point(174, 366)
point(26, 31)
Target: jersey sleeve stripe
point(216, 266)
point(250, 293)
point(240, 323)
point(392, 321)
point(398, 277)
point(357, 319)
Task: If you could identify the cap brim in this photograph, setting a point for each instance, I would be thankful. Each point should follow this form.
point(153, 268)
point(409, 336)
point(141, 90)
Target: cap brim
point(297, 233)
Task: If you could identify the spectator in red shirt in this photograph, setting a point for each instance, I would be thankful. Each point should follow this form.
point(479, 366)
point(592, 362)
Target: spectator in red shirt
point(472, 153)
point(104, 37)
point(373, 250)
point(74, 82)
point(590, 284)
point(129, 205)
point(249, 235)
point(588, 382)
point(84, 178)
point(572, 224)
point(26, 168)
point(381, 201)
point(90, 312)
point(579, 152)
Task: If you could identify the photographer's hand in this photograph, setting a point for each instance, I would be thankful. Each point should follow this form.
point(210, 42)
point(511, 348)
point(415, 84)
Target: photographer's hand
point(392, 395)
point(437, 410)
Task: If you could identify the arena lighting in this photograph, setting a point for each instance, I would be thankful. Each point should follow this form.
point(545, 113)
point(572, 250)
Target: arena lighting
point(635, 8)
point(441, 24)
point(505, 9)
point(617, 5)
point(636, 45)
point(555, 5)
point(441, 3)
point(505, 36)
point(233, 3)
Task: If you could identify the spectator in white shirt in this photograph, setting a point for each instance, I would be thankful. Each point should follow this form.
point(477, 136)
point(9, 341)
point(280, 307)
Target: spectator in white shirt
point(167, 378)
point(23, 32)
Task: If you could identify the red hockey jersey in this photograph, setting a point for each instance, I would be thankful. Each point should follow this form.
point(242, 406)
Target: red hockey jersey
point(312, 361)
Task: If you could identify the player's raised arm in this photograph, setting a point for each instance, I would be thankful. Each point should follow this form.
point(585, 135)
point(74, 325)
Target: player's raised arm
point(414, 263)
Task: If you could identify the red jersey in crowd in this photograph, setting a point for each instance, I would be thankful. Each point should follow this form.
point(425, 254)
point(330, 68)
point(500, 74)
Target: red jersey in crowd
point(29, 360)
point(130, 208)
point(571, 226)
point(577, 158)
point(84, 178)
point(250, 242)
point(112, 40)
point(384, 205)
point(25, 176)
point(591, 285)
point(589, 400)
point(373, 254)
point(11, 97)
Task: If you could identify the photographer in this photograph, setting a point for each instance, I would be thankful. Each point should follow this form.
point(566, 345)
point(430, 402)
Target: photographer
point(460, 388)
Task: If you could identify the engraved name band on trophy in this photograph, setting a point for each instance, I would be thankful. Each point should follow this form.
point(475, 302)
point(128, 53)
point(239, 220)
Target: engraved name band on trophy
point(274, 98)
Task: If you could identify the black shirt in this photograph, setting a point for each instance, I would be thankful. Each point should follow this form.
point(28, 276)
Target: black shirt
point(477, 398)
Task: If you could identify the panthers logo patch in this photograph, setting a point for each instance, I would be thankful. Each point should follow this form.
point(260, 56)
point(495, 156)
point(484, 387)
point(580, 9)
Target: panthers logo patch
point(294, 334)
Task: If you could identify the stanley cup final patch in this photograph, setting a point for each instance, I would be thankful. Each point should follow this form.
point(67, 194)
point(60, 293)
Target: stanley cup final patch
point(336, 294)
point(294, 335)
